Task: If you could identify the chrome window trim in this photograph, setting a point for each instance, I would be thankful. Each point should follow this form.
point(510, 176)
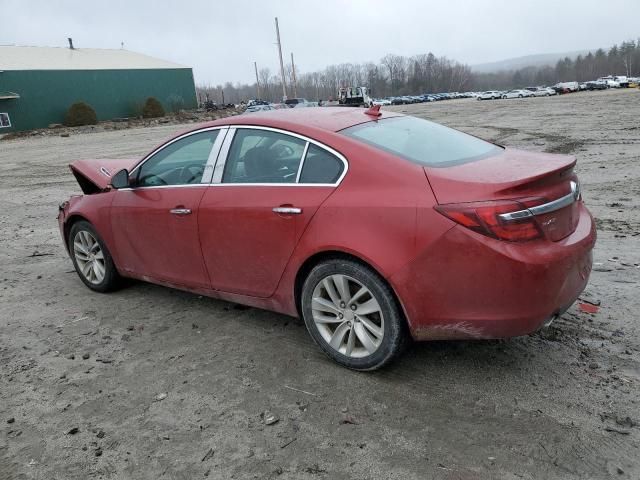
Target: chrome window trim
point(549, 207)
point(207, 174)
point(190, 185)
point(304, 157)
point(222, 159)
point(162, 147)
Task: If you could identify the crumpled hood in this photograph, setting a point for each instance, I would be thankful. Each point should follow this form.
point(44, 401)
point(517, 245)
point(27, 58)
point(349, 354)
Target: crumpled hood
point(94, 176)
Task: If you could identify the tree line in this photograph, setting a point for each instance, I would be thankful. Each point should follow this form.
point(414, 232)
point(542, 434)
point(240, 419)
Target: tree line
point(399, 75)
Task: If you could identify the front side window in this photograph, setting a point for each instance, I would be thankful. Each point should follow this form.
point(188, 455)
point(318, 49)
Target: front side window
point(263, 156)
point(422, 142)
point(180, 163)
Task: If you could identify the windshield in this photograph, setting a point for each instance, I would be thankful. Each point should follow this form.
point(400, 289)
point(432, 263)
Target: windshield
point(422, 142)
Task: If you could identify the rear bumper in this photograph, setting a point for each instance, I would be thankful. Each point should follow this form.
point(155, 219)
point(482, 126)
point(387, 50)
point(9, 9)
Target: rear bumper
point(470, 286)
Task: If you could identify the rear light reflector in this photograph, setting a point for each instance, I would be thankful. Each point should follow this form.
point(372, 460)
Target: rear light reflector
point(484, 218)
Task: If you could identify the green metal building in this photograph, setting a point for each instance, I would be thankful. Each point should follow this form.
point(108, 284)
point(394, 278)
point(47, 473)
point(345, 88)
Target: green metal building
point(39, 84)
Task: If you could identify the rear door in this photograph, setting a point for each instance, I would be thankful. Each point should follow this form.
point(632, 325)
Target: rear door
point(155, 222)
point(267, 186)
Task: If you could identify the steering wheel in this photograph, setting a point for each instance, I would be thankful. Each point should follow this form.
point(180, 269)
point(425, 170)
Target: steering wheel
point(152, 181)
point(283, 151)
point(191, 173)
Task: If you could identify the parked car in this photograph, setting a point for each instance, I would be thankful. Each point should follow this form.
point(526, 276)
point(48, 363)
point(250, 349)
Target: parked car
point(374, 227)
point(258, 108)
point(256, 101)
point(382, 102)
point(544, 92)
point(517, 94)
point(489, 95)
point(294, 101)
point(597, 85)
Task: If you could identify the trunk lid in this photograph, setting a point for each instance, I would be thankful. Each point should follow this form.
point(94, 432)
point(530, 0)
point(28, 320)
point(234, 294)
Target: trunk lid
point(94, 176)
point(538, 178)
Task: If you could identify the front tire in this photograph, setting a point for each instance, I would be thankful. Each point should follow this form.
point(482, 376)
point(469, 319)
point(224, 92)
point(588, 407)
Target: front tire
point(352, 314)
point(91, 258)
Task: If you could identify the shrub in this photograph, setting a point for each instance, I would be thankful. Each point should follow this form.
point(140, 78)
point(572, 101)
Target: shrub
point(152, 108)
point(80, 114)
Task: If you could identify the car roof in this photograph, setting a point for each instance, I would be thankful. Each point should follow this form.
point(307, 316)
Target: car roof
point(331, 119)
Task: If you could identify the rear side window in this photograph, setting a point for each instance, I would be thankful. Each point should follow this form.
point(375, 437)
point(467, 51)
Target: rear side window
point(320, 166)
point(263, 156)
point(422, 142)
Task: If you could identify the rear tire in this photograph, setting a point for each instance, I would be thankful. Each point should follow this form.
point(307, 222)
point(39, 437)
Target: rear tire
point(91, 258)
point(352, 314)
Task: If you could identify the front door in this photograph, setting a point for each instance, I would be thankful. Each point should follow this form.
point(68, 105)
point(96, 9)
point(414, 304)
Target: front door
point(250, 221)
point(155, 222)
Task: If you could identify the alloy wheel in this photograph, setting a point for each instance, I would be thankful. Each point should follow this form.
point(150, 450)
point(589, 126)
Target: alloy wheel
point(347, 315)
point(89, 257)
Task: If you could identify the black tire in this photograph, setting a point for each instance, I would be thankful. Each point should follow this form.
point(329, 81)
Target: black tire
point(395, 336)
point(112, 279)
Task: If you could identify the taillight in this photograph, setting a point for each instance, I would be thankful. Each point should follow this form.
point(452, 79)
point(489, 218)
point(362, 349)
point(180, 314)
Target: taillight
point(484, 218)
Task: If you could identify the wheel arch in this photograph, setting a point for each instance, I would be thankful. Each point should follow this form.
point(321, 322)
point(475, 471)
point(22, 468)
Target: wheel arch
point(319, 257)
point(70, 222)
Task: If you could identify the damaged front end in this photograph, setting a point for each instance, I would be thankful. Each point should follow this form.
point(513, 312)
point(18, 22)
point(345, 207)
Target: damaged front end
point(93, 177)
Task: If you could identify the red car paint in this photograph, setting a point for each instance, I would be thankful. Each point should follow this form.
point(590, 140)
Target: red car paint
point(451, 281)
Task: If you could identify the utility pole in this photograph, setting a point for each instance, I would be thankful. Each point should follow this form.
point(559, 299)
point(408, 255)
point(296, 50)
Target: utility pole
point(255, 65)
point(293, 70)
point(284, 88)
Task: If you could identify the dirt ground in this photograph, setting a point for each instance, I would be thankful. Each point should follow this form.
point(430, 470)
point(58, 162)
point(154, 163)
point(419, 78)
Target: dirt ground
point(150, 383)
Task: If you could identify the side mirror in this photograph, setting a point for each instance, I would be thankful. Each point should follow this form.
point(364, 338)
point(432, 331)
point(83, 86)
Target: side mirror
point(120, 179)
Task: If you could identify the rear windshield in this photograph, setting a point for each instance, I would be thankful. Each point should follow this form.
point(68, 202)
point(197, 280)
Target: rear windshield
point(422, 142)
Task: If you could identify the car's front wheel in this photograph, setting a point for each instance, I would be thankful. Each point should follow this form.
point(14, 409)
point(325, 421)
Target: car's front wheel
point(352, 314)
point(91, 259)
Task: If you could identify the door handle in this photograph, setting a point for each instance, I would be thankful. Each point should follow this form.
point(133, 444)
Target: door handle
point(180, 211)
point(287, 210)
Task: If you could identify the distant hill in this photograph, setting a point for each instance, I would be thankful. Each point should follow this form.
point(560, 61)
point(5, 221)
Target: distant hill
point(538, 60)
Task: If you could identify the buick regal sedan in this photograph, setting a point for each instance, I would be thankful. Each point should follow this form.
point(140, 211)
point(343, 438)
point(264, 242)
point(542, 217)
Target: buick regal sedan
point(374, 227)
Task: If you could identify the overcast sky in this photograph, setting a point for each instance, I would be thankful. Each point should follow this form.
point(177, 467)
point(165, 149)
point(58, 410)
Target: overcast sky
point(222, 39)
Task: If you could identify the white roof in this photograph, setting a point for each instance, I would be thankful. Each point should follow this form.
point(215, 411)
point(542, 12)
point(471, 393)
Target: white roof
point(59, 58)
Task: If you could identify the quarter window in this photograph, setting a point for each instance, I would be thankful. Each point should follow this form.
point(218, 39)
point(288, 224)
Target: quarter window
point(320, 166)
point(263, 156)
point(180, 163)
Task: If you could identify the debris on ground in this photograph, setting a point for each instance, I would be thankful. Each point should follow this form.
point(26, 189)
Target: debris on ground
point(269, 418)
point(588, 307)
point(208, 455)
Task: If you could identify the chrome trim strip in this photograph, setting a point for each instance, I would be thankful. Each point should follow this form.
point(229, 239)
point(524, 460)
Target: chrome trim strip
point(189, 185)
point(284, 132)
point(549, 207)
point(218, 171)
point(207, 175)
point(304, 156)
point(162, 147)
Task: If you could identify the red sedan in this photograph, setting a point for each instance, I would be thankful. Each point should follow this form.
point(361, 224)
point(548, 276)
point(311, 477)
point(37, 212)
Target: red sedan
point(373, 227)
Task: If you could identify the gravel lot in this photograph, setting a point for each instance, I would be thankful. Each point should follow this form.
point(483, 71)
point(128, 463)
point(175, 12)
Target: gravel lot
point(149, 382)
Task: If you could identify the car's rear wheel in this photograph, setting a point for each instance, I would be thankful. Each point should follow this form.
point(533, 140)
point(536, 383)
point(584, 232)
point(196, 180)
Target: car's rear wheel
point(352, 314)
point(91, 259)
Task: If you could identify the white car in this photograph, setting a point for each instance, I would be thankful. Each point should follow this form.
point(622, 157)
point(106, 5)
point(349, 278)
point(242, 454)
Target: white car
point(382, 102)
point(516, 94)
point(544, 92)
point(489, 95)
